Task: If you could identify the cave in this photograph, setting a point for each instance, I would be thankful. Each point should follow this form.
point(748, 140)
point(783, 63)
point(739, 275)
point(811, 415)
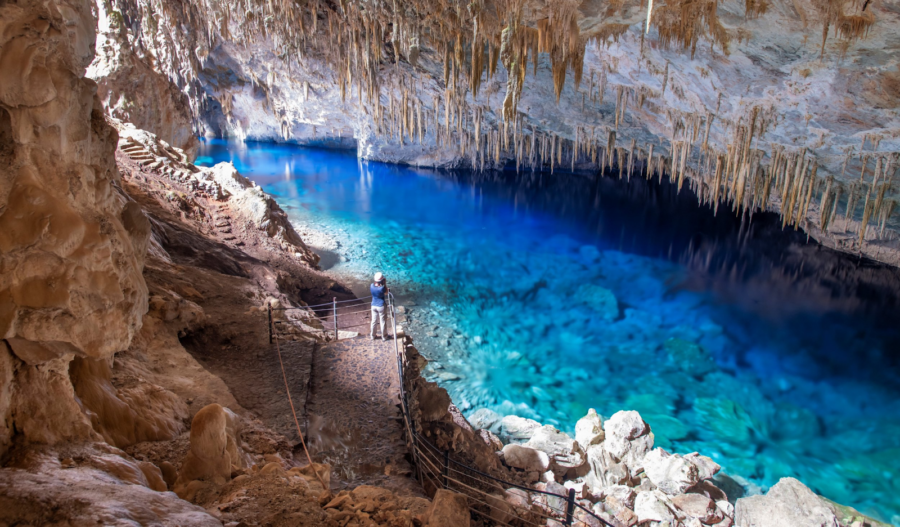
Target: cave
point(615, 263)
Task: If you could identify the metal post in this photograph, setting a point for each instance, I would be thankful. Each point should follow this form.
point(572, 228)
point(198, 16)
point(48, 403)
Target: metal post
point(393, 322)
point(334, 316)
point(570, 507)
point(446, 466)
point(269, 307)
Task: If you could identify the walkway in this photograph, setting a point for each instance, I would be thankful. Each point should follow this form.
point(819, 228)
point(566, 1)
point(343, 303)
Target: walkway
point(354, 421)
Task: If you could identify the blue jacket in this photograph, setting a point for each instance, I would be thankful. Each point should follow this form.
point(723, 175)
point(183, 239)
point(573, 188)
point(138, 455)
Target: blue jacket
point(378, 293)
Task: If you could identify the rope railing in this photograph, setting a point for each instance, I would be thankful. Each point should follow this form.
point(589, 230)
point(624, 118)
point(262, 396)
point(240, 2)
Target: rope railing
point(327, 304)
point(436, 465)
point(340, 318)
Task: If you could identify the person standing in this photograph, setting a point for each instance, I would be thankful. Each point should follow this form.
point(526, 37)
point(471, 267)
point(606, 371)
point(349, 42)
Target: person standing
point(378, 290)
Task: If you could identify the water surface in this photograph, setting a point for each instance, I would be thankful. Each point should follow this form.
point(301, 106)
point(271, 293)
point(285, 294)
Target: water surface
point(544, 295)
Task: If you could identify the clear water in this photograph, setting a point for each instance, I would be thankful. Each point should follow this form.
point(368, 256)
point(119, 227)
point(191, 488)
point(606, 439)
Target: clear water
point(545, 295)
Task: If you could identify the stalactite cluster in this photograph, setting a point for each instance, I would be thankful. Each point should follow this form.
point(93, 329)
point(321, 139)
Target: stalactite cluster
point(365, 44)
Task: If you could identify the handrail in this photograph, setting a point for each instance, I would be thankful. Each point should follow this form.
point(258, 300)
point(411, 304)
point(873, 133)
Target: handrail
point(416, 439)
point(329, 304)
point(416, 442)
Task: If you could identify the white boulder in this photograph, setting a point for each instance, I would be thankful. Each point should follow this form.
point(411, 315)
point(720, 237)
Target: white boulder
point(628, 439)
point(565, 453)
point(698, 506)
point(787, 504)
point(706, 467)
point(525, 458)
point(671, 473)
point(515, 429)
point(589, 430)
point(653, 506)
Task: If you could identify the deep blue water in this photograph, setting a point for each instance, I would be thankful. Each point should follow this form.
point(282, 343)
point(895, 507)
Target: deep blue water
point(545, 295)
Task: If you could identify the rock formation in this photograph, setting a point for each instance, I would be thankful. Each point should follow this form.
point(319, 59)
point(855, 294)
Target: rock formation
point(71, 248)
point(729, 97)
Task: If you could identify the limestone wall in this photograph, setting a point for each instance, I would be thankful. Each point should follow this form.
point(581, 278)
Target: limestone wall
point(71, 248)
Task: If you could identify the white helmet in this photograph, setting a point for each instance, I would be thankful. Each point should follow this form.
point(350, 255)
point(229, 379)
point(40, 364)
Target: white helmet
point(379, 277)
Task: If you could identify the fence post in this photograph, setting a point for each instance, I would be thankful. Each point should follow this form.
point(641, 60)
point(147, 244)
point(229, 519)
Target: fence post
point(269, 307)
point(570, 506)
point(446, 466)
point(334, 316)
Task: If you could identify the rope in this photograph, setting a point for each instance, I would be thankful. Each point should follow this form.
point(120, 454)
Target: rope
point(435, 449)
point(294, 412)
point(439, 485)
point(321, 305)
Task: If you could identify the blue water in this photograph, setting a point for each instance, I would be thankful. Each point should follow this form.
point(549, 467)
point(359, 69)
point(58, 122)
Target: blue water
point(544, 296)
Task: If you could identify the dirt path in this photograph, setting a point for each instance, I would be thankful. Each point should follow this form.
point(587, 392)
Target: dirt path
point(355, 423)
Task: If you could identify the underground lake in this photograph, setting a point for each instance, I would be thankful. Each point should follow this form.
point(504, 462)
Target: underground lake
point(543, 295)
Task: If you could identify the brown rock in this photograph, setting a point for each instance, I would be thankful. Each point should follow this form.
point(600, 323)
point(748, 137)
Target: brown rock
point(208, 458)
point(448, 509)
point(169, 473)
point(697, 506)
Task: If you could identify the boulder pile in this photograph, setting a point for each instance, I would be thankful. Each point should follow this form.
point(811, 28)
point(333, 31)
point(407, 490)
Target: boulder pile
point(616, 472)
point(620, 477)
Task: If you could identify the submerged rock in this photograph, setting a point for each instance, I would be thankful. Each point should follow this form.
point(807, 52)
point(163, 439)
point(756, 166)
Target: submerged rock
point(600, 299)
point(689, 357)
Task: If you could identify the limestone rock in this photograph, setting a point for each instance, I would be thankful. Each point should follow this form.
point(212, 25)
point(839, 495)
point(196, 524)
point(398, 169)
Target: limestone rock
point(44, 404)
point(699, 507)
point(565, 453)
point(671, 473)
point(689, 357)
point(623, 494)
point(515, 429)
point(433, 401)
point(142, 412)
point(628, 439)
point(214, 448)
point(86, 495)
point(484, 419)
point(653, 506)
point(448, 509)
point(706, 467)
point(71, 249)
point(605, 470)
point(589, 429)
point(600, 299)
point(249, 202)
point(133, 91)
point(788, 503)
point(525, 458)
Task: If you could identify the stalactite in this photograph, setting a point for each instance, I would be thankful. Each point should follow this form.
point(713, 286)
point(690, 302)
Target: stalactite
point(630, 158)
point(610, 147)
point(685, 148)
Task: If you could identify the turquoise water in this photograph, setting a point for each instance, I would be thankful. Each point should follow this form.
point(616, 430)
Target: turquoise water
point(544, 296)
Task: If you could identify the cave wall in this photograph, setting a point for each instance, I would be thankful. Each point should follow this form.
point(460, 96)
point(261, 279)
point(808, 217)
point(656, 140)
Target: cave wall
point(143, 86)
point(71, 247)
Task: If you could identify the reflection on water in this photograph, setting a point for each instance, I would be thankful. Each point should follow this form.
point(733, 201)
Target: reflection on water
point(545, 295)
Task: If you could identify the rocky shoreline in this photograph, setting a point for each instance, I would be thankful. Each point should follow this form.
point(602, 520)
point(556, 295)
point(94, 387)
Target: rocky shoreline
point(613, 467)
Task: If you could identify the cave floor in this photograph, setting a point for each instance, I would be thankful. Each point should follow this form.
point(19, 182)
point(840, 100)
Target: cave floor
point(354, 420)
